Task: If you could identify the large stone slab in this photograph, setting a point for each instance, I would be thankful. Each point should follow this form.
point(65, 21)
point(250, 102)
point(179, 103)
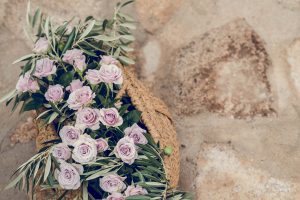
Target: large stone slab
point(223, 174)
point(225, 71)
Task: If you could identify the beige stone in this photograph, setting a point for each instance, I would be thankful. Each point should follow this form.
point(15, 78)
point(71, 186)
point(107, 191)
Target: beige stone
point(293, 58)
point(153, 14)
point(224, 71)
point(223, 174)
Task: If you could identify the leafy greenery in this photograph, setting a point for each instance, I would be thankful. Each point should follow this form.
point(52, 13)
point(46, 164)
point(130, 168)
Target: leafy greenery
point(95, 38)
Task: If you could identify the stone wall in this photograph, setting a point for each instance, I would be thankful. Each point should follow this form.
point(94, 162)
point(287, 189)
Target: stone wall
point(229, 71)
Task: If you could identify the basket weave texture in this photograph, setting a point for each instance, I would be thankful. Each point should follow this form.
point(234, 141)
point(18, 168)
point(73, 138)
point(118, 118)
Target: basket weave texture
point(155, 116)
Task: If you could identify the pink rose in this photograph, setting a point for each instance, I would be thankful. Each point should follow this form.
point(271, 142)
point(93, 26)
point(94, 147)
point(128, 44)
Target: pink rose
point(76, 58)
point(26, 83)
point(132, 191)
point(69, 134)
point(80, 97)
point(88, 118)
point(68, 176)
point(115, 196)
point(108, 60)
point(44, 67)
point(137, 134)
point(61, 151)
point(54, 93)
point(74, 85)
point(110, 117)
point(41, 46)
point(85, 150)
point(111, 74)
point(112, 183)
point(93, 76)
point(101, 144)
point(126, 150)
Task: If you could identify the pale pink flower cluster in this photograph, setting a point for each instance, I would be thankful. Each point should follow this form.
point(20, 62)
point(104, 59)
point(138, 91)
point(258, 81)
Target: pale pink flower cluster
point(135, 190)
point(27, 83)
point(110, 117)
point(69, 134)
point(74, 85)
point(41, 46)
point(136, 133)
point(80, 97)
point(54, 93)
point(88, 118)
point(85, 150)
point(112, 183)
point(101, 144)
point(76, 58)
point(68, 175)
point(44, 67)
point(107, 74)
point(108, 60)
point(61, 151)
point(126, 150)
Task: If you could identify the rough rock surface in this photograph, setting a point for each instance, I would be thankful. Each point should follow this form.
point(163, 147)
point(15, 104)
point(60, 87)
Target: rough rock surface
point(155, 13)
point(293, 59)
point(225, 71)
point(222, 174)
point(264, 151)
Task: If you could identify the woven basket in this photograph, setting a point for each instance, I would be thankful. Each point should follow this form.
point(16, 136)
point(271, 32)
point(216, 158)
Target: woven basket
point(155, 116)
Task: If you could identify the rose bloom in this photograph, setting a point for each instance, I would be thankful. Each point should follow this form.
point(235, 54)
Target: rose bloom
point(93, 76)
point(80, 97)
point(26, 83)
point(126, 150)
point(85, 150)
point(61, 151)
point(69, 134)
point(110, 117)
point(41, 46)
point(44, 67)
point(76, 58)
point(108, 60)
point(101, 144)
point(111, 74)
point(54, 93)
point(132, 191)
point(136, 133)
point(74, 85)
point(112, 183)
point(115, 196)
point(88, 118)
point(68, 176)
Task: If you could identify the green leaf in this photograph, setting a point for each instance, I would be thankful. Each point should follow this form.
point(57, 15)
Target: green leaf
point(126, 60)
point(23, 58)
point(66, 78)
point(126, 48)
point(15, 181)
point(128, 25)
point(70, 40)
point(9, 96)
point(37, 166)
point(87, 30)
point(126, 3)
point(106, 38)
point(33, 104)
point(128, 37)
point(100, 173)
point(85, 194)
point(37, 16)
point(52, 117)
point(138, 197)
point(47, 168)
point(47, 27)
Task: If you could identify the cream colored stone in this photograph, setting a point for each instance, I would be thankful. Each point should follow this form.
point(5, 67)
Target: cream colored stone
point(153, 14)
point(293, 59)
point(222, 174)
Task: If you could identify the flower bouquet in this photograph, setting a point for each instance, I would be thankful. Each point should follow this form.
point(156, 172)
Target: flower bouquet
point(102, 135)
